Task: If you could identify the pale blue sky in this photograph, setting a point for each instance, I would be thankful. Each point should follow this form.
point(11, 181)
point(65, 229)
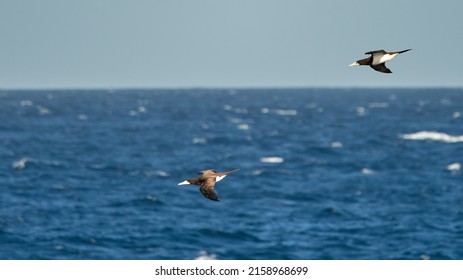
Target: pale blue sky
point(234, 43)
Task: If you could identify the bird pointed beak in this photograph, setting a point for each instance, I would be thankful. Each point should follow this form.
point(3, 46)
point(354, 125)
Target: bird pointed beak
point(184, 183)
point(354, 64)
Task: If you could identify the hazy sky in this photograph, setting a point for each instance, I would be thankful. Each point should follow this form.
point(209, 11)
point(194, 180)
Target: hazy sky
point(233, 43)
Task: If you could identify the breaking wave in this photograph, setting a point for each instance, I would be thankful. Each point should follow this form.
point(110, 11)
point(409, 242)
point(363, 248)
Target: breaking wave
point(432, 136)
point(272, 159)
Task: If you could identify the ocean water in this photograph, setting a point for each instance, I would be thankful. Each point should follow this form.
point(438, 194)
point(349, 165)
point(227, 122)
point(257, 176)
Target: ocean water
point(324, 174)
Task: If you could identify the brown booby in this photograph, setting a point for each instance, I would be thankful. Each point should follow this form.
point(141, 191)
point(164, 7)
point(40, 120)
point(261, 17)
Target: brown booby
point(378, 59)
point(207, 182)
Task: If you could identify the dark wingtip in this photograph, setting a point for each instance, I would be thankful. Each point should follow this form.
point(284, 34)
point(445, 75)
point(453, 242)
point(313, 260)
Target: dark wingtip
point(405, 50)
point(376, 51)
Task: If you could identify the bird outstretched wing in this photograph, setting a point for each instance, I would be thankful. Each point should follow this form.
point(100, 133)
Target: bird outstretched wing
point(376, 52)
point(226, 173)
point(381, 68)
point(207, 189)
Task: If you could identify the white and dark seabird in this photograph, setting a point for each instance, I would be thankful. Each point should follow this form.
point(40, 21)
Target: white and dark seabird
point(378, 59)
point(207, 182)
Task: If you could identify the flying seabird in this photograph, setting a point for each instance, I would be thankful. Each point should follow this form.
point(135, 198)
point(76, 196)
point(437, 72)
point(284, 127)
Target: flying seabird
point(207, 182)
point(377, 60)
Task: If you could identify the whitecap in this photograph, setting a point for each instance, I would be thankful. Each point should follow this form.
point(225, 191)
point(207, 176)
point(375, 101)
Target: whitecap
point(243, 126)
point(198, 140)
point(204, 255)
point(142, 109)
point(227, 107)
point(336, 145)
point(432, 136)
point(151, 198)
point(257, 172)
point(161, 173)
point(454, 168)
point(26, 103)
point(281, 112)
point(43, 110)
point(20, 164)
point(367, 171)
point(289, 112)
point(425, 257)
point(272, 159)
point(456, 115)
point(264, 110)
point(361, 111)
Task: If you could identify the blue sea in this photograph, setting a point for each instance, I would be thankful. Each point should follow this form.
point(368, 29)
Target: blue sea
point(324, 174)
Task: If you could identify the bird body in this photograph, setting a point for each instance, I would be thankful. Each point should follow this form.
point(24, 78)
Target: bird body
point(207, 182)
point(378, 59)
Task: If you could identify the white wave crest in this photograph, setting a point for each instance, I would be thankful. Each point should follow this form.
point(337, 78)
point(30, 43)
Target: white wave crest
point(433, 136)
point(43, 110)
point(361, 111)
point(21, 163)
point(272, 160)
point(281, 112)
point(288, 112)
point(204, 255)
point(454, 168)
point(336, 145)
point(26, 103)
point(243, 126)
point(199, 140)
point(367, 171)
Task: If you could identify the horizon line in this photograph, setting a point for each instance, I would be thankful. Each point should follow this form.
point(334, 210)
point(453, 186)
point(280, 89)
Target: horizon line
point(143, 88)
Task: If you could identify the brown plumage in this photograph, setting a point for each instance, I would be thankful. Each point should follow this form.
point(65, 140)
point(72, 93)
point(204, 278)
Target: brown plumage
point(207, 182)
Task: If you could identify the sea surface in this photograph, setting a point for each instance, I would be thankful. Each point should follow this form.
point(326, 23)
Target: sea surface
point(324, 174)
